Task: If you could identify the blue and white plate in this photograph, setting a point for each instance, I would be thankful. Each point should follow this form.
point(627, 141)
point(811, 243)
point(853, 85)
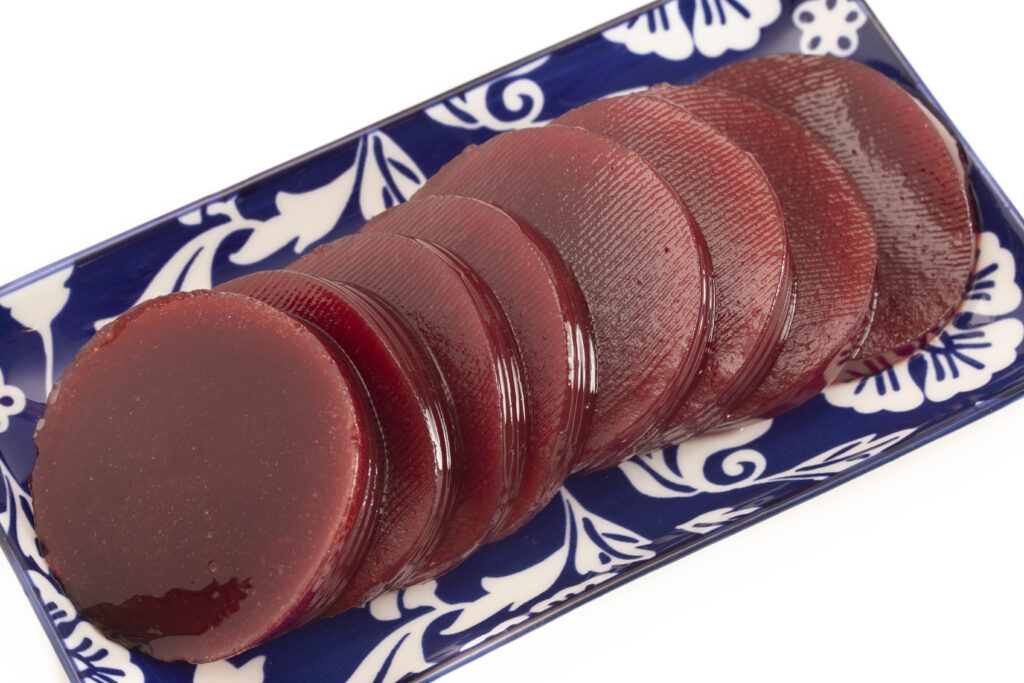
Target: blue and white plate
point(601, 529)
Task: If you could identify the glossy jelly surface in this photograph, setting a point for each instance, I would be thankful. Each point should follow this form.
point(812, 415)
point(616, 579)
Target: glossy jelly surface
point(219, 460)
point(831, 236)
point(634, 249)
point(411, 402)
point(910, 174)
point(462, 324)
point(736, 210)
point(547, 314)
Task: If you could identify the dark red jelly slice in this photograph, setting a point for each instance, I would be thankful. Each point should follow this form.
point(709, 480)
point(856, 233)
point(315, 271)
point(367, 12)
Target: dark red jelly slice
point(462, 324)
point(548, 317)
point(912, 178)
point(411, 402)
point(206, 475)
point(737, 212)
point(635, 251)
point(830, 235)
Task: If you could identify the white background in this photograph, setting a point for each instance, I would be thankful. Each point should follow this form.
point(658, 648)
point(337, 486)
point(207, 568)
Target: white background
point(113, 113)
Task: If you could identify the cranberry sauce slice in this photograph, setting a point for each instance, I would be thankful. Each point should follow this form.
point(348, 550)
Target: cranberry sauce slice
point(206, 475)
point(548, 317)
point(830, 234)
point(411, 402)
point(737, 212)
point(911, 176)
point(635, 251)
point(457, 316)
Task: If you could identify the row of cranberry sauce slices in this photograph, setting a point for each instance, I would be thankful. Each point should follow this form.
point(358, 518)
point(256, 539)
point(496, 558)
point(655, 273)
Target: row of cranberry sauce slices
point(643, 269)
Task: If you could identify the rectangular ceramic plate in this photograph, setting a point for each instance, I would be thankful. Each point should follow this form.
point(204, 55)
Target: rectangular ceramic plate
point(601, 530)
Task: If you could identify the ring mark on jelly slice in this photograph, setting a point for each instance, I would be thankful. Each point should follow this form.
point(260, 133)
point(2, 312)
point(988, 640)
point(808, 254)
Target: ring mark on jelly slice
point(456, 315)
point(548, 317)
point(737, 212)
point(831, 237)
point(913, 183)
point(411, 402)
point(633, 248)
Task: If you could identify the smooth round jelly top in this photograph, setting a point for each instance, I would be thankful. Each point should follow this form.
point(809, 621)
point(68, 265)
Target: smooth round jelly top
point(634, 249)
point(412, 403)
point(548, 317)
point(737, 212)
point(831, 236)
point(462, 324)
point(205, 477)
point(913, 183)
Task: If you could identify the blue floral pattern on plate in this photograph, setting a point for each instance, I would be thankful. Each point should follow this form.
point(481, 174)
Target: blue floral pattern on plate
point(829, 27)
point(601, 529)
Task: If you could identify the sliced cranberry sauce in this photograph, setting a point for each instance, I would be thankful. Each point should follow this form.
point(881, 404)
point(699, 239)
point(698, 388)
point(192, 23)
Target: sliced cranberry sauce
point(831, 236)
point(462, 324)
point(737, 212)
point(910, 173)
point(206, 475)
point(548, 317)
point(219, 467)
point(411, 402)
point(635, 251)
